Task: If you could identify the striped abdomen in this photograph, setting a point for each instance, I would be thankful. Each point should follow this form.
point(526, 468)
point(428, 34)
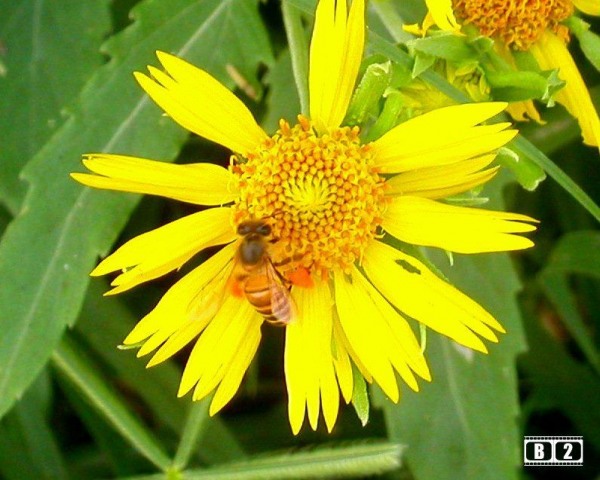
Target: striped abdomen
point(270, 298)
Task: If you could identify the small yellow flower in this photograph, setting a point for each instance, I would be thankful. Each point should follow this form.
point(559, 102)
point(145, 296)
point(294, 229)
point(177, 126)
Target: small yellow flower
point(331, 202)
point(531, 26)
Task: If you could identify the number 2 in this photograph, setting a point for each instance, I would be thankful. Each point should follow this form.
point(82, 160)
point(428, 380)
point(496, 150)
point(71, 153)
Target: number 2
point(568, 450)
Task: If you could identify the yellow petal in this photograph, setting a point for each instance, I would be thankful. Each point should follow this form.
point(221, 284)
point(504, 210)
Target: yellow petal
point(201, 104)
point(415, 29)
point(414, 290)
point(198, 183)
point(295, 378)
point(443, 181)
point(335, 54)
point(411, 144)
point(225, 366)
point(365, 331)
point(589, 7)
point(184, 334)
point(175, 332)
point(404, 347)
point(309, 369)
point(551, 52)
point(196, 303)
point(216, 346)
point(341, 362)
point(164, 249)
point(458, 229)
point(524, 111)
point(442, 14)
point(238, 366)
point(187, 300)
point(341, 337)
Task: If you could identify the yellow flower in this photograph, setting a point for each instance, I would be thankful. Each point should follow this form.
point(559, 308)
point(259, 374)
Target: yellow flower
point(531, 26)
point(328, 199)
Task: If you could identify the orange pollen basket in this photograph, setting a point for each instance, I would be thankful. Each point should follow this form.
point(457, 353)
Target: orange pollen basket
point(321, 195)
point(518, 23)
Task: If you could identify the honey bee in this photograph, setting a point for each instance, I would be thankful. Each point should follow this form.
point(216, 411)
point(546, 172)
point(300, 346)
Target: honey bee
point(267, 290)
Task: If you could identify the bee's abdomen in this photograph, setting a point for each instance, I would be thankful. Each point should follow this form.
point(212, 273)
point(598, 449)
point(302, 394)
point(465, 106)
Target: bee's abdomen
point(258, 294)
point(260, 297)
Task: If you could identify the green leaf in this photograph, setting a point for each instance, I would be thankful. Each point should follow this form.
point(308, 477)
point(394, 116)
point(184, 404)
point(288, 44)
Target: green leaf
point(282, 99)
point(388, 18)
point(43, 73)
point(28, 447)
point(5, 219)
point(575, 253)
point(423, 62)
point(468, 414)
point(50, 247)
point(557, 380)
point(588, 41)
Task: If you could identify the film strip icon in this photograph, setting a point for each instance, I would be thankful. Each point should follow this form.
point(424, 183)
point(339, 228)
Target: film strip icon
point(552, 451)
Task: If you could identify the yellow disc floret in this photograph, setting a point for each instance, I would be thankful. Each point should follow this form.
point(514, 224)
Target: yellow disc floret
point(518, 23)
point(323, 195)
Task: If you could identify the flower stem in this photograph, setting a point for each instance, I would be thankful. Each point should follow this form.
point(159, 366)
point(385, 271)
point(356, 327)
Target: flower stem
point(193, 428)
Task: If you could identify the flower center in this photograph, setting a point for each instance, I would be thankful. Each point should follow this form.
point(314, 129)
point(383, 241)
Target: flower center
point(321, 193)
point(518, 23)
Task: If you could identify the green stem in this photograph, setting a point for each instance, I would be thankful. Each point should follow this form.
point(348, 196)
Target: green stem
point(70, 362)
point(193, 428)
point(527, 148)
point(352, 461)
point(298, 50)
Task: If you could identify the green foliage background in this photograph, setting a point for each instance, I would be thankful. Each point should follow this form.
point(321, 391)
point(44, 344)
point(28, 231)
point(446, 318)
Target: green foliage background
point(73, 406)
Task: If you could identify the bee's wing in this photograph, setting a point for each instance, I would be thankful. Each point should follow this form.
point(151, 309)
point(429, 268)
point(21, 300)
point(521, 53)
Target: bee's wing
point(237, 275)
point(210, 297)
point(282, 304)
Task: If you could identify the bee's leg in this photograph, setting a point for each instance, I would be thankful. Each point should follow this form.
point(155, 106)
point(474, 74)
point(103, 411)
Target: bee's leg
point(285, 261)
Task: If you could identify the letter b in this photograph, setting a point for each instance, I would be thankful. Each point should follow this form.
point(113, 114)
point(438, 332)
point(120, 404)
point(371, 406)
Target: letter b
point(538, 451)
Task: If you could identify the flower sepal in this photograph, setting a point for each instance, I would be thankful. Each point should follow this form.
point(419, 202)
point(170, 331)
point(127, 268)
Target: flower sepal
point(360, 396)
point(394, 111)
point(364, 104)
point(588, 41)
point(444, 45)
point(518, 86)
point(525, 171)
